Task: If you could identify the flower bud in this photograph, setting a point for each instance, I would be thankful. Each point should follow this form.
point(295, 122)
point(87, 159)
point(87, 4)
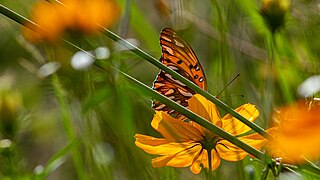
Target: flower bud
point(274, 12)
point(10, 107)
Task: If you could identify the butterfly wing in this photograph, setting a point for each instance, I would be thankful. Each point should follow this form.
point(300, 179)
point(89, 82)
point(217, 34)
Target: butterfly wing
point(178, 56)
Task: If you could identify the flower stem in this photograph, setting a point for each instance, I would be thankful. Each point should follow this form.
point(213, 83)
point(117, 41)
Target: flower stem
point(209, 164)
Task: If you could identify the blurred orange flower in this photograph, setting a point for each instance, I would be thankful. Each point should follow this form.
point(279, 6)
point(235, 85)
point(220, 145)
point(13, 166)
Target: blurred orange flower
point(77, 15)
point(298, 136)
point(187, 143)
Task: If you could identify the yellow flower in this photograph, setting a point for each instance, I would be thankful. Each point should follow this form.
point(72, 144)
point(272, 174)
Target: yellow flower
point(10, 107)
point(187, 143)
point(298, 136)
point(77, 15)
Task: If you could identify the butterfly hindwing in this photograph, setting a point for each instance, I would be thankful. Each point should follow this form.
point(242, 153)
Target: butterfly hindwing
point(178, 56)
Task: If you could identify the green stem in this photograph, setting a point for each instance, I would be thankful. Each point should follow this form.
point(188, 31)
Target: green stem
point(56, 159)
point(210, 164)
point(14, 16)
point(269, 90)
point(223, 47)
point(286, 92)
point(66, 120)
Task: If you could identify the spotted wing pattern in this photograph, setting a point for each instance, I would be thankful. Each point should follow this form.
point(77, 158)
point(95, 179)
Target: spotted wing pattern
point(178, 56)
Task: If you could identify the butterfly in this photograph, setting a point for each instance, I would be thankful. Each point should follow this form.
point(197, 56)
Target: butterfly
point(178, 56)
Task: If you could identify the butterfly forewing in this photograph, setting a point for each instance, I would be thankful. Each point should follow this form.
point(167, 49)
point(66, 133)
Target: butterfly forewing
point(177, 55)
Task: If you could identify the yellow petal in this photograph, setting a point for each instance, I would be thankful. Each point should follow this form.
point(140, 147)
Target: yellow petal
point(256, 140)
point(160, 146)
point(183, 158)
point(173, 129)
point(202, 161)
point(230, 152)
point(144, 139)
point(204, 108)
point(236, 127)
point(196, 167)
point(215, 160)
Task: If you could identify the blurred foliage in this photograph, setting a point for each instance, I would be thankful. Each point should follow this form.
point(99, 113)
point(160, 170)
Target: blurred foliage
point(81, 124)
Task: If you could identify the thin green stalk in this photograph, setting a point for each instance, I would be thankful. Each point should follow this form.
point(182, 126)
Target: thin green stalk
point(210, 164)
point(56, 159)
point(66, 120)
point(284, 87)
point(223, 47)
point(14, 16)
point(269, 89)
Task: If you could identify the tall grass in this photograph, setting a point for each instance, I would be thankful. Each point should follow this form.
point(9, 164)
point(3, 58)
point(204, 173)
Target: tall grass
point(81, 124)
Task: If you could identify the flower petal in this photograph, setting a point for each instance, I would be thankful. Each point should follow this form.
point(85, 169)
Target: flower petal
point(196, 167)
point(215, 160)
point(229, 151)
point(160, 146)
point(144, 139)
point(183, 158)
point(203, 159)
point(256, 140)
point(236, 127)
point(174, 130)
point(204, 108)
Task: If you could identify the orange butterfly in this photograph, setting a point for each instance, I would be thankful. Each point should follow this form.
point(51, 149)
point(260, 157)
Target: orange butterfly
point(178, 56)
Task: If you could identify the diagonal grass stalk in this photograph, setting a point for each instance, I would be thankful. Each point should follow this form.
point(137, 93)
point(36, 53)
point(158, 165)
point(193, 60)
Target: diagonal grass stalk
point(22, 20)
point(185, 81)
point(309, 166)
point(191, 115)
point(57, 158)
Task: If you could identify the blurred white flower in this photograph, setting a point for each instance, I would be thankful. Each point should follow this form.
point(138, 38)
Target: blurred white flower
point(310, 86)
point(48, 69)
point(38, 169)
point(5, 143)
point(103, 153)
point(102, 53)
point(82, 60)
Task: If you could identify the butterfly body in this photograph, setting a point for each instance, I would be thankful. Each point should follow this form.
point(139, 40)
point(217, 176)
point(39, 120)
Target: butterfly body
point(178, 56)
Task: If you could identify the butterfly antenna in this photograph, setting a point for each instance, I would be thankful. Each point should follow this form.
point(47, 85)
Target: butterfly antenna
point(241, 95)
point(229, 85)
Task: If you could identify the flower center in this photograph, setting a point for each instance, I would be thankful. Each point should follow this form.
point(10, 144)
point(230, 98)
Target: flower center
point(209, 143)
